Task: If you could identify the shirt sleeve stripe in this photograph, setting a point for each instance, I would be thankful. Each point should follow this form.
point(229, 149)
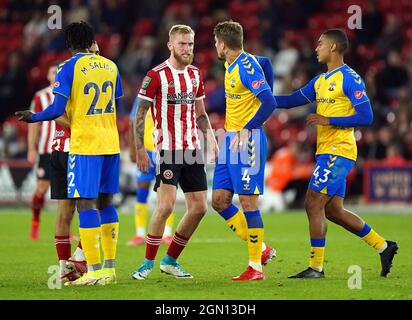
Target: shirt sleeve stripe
point(300, 90)
point(145, 98)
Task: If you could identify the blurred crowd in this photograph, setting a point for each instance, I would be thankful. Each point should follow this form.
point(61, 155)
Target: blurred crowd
point(134, 35)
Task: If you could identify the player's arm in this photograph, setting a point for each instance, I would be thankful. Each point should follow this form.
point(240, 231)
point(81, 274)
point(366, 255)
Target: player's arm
point(203, 124)
point(132, 145)
point(55, 110)
point(143, 160)
point(267, 106)
point(63, 120)
point(33, 132)
point(267, 68)
point(298, 98)
point(32, 141)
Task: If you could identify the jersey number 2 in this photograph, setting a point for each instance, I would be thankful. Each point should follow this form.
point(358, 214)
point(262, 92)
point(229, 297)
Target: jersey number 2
point(92, 109)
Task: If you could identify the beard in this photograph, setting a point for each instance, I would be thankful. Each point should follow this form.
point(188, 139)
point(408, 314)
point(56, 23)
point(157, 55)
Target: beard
point(221, 57)
point(181, 59)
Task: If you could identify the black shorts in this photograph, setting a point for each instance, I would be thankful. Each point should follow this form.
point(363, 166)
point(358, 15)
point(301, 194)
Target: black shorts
point(43, 170)
point(58, 183)
point(184, 168)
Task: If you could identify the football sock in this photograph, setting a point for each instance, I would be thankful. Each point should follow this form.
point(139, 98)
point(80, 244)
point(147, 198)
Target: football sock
point(140, 213)
point(372, 238)
point(63, 247)
point(152, 245)
point(255, 233)
point(37, 205)
point(90, 231)
point(110, 233)
point(178, 244)
point(236, 221)
point(140, 218)
point(169, 225)
point(317, 253)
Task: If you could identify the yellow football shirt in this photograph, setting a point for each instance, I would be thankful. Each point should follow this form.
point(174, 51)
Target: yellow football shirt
point(336, 93)
point(91, 83)
point(244, 80)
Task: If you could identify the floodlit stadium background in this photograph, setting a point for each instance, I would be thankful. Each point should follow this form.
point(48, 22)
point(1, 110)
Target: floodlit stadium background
point(134, 35)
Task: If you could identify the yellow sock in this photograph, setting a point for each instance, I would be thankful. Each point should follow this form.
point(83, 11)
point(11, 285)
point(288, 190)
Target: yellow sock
point(90, 238)
point(254, 244)
point(374, 240)
point(110, 234)
point(317, 255)
point(238, 224)
point(169, 225)
point(140, 218)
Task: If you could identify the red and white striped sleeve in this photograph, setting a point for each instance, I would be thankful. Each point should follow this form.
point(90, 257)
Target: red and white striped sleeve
point(150, 86)
point(200, 94)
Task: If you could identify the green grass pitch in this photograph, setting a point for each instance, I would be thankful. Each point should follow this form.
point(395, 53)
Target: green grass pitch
point(213, 256)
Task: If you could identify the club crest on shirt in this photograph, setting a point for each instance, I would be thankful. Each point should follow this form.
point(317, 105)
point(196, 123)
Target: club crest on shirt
point(194, 82)
point(171, 84)
point(332, 86)
point(168, 174)
point(232, 82)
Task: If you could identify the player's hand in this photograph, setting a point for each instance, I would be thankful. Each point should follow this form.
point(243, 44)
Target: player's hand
point(32, 156)
point(25, 116)
point(212, 151)
point(143, 161)
point(132, 156)
point(317, 120)
point(240, 141)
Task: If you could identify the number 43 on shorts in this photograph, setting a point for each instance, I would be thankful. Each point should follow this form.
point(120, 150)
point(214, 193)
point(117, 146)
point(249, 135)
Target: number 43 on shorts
point(324, 175)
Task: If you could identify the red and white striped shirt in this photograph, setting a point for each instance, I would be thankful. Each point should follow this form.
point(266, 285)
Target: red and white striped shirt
point(41, 100)
point(173, 93)
point(61, 141)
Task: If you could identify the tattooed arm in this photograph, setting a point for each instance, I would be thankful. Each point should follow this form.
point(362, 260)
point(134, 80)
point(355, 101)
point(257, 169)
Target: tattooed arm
point(142, 159)
point(203, 124)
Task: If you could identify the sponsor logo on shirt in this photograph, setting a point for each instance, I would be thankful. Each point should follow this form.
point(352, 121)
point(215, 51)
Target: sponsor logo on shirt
point(146, 82)
point(325, 100)
point(256, 84)
point(358, 94)
point(181, 98)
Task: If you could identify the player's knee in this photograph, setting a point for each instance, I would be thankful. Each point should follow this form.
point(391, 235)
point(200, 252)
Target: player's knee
point(310, 206)
point(164, 211)
point(220, 202)
point(199, 209)
point(104, 201)
point(217, 204)
point(86, 204)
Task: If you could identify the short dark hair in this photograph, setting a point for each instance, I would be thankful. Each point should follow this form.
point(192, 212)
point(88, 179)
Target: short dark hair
point(79, 35)
point(339, 37)
point(231, 33)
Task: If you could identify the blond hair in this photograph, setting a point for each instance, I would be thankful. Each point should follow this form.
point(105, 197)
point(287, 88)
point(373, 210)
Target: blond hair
point(180, 28)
